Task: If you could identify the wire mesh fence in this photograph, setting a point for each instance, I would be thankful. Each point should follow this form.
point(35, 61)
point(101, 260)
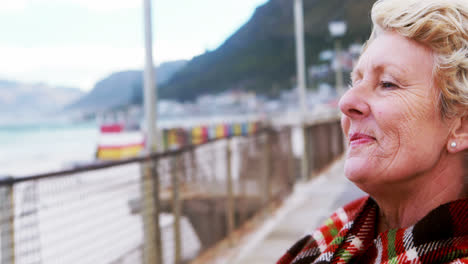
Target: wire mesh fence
point(165, 208)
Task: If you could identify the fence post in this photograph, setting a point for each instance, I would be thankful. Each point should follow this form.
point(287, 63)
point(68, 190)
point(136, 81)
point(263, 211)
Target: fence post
point(291, 159)
point(230, 194)
point(193, 166)
point(268, 169)
point(149, 221)
point(157, 210)
point(329, 133)
point(176, 208)
point(214, 180)
point(7, 221)
point(305, 168)
point(334, 140)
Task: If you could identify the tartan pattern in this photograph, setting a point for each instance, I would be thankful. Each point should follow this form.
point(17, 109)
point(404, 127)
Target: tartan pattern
point(349, 236)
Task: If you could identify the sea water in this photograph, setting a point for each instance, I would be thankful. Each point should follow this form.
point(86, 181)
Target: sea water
point(27, 149)
point(40, 147)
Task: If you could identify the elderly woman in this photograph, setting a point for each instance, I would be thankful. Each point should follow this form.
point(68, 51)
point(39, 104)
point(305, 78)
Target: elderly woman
point(406, 120)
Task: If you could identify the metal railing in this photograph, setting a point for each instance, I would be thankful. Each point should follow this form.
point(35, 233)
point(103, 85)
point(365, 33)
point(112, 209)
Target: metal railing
point(323, 142)
point(106, 213)
point(163, 208)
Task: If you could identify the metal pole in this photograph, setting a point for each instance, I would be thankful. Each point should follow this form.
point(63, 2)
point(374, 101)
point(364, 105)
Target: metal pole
point(301, 80)
point(300, 54)
point(339, 72)
point(150, 212)
point(149, 82)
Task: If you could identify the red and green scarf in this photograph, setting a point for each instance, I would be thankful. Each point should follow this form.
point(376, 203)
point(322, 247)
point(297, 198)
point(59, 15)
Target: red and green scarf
point(350, 236)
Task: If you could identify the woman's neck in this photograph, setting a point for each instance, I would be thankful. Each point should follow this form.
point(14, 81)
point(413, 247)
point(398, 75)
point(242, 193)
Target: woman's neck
point(404, 204)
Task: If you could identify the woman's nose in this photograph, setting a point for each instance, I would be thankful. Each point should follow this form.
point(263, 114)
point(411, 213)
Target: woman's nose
point(354, 104)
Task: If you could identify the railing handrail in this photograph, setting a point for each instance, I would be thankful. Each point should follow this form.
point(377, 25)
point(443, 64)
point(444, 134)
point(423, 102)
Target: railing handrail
point(11, 180)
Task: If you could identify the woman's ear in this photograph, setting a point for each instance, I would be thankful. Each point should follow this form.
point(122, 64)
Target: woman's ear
point(458, 140)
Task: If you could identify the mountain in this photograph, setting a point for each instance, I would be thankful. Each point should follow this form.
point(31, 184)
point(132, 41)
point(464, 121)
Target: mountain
point(122, 88)
point(260, 56)
point(38, 98)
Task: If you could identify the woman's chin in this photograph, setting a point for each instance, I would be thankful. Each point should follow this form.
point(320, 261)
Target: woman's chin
point(359, 170)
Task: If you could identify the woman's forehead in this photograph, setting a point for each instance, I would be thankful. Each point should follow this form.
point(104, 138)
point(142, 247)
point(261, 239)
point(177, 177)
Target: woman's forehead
point(394, 52)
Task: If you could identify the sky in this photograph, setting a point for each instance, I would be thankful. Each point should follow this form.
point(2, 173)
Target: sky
point(75, 43)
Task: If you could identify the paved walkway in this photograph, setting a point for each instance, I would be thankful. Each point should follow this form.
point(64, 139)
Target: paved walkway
point(308, 206)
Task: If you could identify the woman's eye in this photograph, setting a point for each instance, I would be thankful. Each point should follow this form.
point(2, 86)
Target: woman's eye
point(388, 85)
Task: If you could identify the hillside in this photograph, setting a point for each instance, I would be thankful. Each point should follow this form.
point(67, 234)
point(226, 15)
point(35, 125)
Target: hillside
point(37, 98)
point(260, 56)
point(122, 88)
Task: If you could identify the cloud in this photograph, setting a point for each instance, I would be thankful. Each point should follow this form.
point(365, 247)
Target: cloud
point(95, 5)
point(13, 5)
point(107, 5)
point(79, 66)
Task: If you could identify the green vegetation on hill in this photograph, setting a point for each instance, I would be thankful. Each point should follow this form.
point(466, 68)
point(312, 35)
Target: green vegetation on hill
point(260, 56)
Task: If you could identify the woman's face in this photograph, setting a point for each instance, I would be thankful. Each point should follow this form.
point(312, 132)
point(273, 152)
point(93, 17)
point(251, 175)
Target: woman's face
point(391, 116)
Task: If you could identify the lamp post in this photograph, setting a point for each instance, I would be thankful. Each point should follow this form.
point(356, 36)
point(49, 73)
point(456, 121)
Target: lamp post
point(301, 82)
point(149, 82)
point(337, 30)
point(300, 55)
point(152, 250)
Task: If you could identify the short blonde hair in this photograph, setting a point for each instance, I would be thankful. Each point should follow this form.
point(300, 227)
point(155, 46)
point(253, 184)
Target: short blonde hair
point(441, 25)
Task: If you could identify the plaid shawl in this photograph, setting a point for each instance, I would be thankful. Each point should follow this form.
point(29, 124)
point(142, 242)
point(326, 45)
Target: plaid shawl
point(350, 236)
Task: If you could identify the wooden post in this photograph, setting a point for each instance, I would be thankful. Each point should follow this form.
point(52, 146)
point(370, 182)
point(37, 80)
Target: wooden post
point(214, 181)
point(157, 210)
point(7, 220)
point(230, 194)
point(268, 170)
point(334, 140)
point(193, 166)
point(305, 168)
point(291, 158)
point(176, 207)
point(246, 157)
point(147, 213)
point(330, 138)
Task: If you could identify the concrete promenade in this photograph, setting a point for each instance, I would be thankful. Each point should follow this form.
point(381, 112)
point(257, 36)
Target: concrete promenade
point(307, 207)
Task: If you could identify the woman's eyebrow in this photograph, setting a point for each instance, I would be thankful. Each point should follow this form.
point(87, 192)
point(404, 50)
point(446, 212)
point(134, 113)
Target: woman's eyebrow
point(398, 69)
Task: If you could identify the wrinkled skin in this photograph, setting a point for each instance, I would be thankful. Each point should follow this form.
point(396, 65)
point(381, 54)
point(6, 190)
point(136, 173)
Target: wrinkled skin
point(393, 102)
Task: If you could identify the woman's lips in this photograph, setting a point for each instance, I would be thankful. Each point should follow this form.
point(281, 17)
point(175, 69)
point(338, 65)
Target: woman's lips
point(358, 139)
